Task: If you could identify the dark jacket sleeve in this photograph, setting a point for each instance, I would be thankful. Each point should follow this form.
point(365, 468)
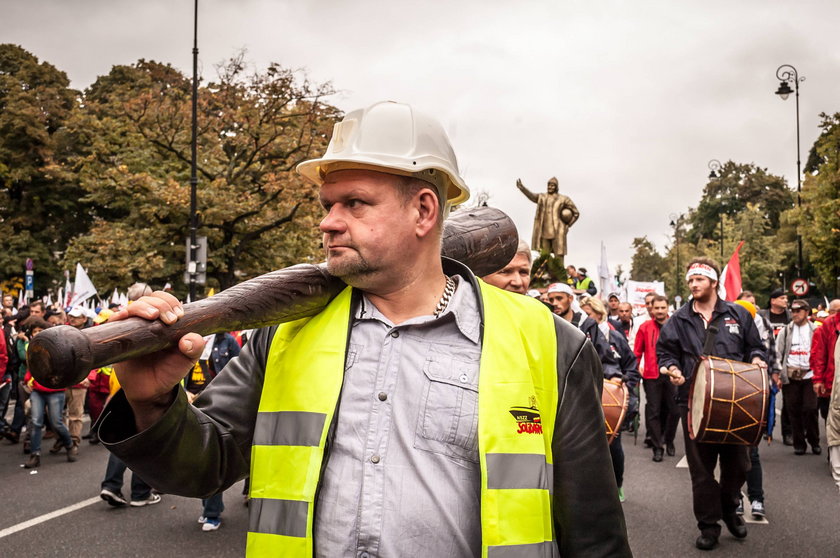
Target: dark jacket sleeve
point(588, 518)
point(669, 348)
point(200, 449)
point(629, 364)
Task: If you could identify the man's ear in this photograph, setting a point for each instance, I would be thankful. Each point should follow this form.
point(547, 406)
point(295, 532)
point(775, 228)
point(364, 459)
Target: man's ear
point(428, 211)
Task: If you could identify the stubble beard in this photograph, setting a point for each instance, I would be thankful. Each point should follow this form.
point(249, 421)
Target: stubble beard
point(350, 268)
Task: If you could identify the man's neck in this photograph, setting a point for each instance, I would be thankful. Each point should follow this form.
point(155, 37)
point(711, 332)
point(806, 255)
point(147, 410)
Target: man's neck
point(417, 295)
point(706, 307)
point(778, 311)
point(568, 315)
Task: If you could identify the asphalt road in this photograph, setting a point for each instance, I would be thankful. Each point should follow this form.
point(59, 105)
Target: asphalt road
point(802, 502)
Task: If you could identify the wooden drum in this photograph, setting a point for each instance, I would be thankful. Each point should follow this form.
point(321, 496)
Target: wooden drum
point(614, 399)
point(727, 402)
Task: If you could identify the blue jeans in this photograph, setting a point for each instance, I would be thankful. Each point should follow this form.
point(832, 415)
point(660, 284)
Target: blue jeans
point(53, 401)
point(114, 479)
point(213, 506)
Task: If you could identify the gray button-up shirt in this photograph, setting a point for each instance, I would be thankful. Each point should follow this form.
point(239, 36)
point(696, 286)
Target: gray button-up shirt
point(403, 477)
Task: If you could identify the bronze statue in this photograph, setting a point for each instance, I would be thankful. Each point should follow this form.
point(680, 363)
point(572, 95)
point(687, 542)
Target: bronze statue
point(555, 214)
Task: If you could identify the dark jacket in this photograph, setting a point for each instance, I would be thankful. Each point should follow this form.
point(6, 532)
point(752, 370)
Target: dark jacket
point(590, 328)
point(681, 339)
point(627, 362)
point(225, 348)
point(198, 450)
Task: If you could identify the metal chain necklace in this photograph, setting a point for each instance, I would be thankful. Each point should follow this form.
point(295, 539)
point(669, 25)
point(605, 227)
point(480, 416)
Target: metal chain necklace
point(447, 295)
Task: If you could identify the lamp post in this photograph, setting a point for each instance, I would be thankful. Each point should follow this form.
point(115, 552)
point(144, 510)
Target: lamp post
point(676, 222)
point(193, 265)
point(714, 172)
point(788, 75)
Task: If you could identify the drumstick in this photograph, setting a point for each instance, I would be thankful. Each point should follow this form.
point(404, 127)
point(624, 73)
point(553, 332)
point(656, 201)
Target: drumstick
point(670, 373)
point(484, 239)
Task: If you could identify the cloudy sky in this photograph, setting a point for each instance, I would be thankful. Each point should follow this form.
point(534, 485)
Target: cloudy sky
point(625, 102)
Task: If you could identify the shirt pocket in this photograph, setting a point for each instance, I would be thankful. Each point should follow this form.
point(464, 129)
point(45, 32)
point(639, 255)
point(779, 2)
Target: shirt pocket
point(352, 355)
point(448, 421)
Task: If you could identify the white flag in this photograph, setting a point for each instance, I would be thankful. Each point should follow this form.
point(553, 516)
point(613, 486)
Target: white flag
point(68, 291)
point(605, 279)
point(83, 288)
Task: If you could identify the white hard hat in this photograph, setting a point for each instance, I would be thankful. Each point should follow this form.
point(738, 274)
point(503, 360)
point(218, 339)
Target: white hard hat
point(394, 138)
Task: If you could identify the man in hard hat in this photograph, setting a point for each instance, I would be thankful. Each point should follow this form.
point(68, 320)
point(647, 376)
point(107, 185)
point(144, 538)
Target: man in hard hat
point(363, 425)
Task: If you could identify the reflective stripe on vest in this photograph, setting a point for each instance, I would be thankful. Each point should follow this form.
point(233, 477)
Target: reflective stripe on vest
point(517, 406)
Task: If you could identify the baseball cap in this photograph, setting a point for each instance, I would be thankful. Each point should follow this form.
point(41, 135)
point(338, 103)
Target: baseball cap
point(76, 312)
point(613, 295)
point(560, 288)
point(800, 305)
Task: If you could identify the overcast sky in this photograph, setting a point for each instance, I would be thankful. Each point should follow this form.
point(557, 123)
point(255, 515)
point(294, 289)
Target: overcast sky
point(625, 102)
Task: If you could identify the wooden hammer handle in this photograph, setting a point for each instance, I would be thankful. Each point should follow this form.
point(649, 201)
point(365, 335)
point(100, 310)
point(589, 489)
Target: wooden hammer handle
point(484, 239)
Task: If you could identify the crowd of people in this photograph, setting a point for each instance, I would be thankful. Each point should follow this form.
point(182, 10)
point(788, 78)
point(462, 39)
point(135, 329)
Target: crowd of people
point(422, 404)
point(39, 412)
point(793, 343)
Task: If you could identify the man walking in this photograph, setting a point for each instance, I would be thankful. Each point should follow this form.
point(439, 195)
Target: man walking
point(364, 426)
point(822, 360)
point(778, 316)
point(679, 349)
point(794, 348)
point(660, 393)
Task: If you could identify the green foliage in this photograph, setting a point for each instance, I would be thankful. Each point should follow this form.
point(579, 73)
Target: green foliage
point(819, 220)
point(736, 186)
point(647, 264)
point(40, 207)
point(133, 137)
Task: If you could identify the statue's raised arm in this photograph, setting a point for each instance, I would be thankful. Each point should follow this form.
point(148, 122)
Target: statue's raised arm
point(528, 193)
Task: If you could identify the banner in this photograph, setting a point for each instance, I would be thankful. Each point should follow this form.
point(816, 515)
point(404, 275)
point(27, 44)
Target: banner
point(635, 291)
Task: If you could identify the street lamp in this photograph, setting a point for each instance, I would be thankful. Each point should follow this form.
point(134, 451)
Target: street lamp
point(193, 248)
point(714, 172)
point(788, 75)
point(676, 221)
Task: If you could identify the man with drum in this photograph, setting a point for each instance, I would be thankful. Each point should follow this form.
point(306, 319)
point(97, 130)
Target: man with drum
point(680, 346)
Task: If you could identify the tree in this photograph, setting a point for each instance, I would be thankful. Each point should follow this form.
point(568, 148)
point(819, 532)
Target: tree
point(647, 264)
point(254, 128)
point(40, 207)
point(736, 186)
point(819, 219)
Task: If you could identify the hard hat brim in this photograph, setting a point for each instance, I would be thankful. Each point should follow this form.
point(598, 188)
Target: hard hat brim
point(314, 170)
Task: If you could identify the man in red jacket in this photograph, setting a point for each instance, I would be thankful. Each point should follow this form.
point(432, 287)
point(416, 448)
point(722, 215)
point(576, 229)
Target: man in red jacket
point(822, 360)
point(659, 392)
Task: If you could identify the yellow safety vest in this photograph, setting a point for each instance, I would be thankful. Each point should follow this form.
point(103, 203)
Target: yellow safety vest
point(516, 412)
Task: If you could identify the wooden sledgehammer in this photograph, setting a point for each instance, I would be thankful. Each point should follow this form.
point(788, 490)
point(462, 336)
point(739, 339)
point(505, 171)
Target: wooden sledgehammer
point(484, 239)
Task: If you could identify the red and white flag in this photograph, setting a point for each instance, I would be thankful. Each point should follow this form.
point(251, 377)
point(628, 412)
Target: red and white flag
point(731, 280)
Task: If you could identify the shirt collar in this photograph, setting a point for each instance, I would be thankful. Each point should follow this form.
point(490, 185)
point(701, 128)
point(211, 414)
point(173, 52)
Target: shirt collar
point(462, 308)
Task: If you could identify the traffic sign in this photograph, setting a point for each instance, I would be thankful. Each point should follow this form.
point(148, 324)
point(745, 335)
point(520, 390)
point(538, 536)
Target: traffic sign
point(799, 287)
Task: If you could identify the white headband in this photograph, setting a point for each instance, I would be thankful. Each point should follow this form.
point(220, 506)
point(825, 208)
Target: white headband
point(701, 269)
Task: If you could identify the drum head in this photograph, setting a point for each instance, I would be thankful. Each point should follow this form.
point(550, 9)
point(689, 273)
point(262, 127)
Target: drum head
point(696, 411)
